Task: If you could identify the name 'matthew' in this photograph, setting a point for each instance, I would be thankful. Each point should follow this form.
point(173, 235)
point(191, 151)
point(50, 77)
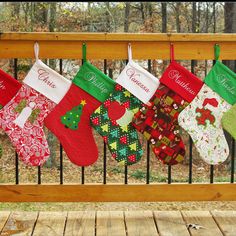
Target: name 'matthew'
point(176, 76)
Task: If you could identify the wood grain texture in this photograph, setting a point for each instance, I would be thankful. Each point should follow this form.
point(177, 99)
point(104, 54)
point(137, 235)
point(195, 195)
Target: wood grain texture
point(50, 224)
point(20, 223)
point(114, 46)
point(204, 219)
point(110, 223)
point(226, 221)
point(69, 36)
point(80, 223)
point(117, 192)
point(3, 218)
point(170, 223)
point(140, 223)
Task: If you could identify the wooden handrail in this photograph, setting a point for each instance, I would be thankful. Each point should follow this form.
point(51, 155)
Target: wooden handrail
point(117, 192)
point(114, 45)
point(133, 37)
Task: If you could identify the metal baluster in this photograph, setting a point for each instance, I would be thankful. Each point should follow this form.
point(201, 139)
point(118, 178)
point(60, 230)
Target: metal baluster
point(16, 155)
point(61, 149)
point(104, 144)
point(212, 166)
point(126, 167)
point(169, 174)
point(190, 177)
point(39, 175)
point(190, 160)
point(232, 161)
point(148, 144)
point(82, 168)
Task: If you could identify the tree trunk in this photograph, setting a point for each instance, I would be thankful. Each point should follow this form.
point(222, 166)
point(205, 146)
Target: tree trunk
point(214, 17)
point(52, 18)
point(108, 22)
point(230, 26)
point(150, 11)
point(126, 20)
point(194, 30)
point(32, 16)
point(15, 14)
point(164, 26)
point(178, 25)
point(194, 17)
point(207, 18)
point(164, 17)
point(142, 12)
point(198, 17)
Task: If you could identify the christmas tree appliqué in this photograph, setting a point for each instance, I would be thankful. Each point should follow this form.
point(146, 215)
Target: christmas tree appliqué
point(72, 118)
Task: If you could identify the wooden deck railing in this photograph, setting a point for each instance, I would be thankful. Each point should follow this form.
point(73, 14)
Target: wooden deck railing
point(114, 46)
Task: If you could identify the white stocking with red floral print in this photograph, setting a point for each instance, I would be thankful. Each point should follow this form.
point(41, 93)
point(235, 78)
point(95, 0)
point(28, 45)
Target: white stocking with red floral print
point(23, 117)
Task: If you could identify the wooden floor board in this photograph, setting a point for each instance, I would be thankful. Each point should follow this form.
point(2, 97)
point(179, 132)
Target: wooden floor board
point(110, 223)
point(140, 223)
point(50, 224)
point(20, 223)
point(226, 220)
point(3, 218)
point(80, 223)
point(118, 223)
point(170, 223)
point(204, 219)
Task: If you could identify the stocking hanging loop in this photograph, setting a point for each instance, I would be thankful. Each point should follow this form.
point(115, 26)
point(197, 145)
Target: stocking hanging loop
point(129, 52)
point(36, 51)
point(84, 51)
point(217, 51)
point(172, 52)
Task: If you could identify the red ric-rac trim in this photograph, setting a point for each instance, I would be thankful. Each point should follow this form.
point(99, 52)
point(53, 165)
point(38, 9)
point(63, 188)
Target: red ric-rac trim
point(182, 81)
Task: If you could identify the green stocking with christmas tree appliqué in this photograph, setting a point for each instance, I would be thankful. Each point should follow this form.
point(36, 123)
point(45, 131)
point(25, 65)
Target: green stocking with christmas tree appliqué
point(202, 117)
point(112, 120)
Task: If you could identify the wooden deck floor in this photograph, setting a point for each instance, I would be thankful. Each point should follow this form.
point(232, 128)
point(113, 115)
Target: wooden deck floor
point(118, 223)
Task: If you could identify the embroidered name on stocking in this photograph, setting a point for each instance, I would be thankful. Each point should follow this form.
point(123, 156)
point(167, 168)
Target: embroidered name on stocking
point(136, 79)
point(225, 82)
point(91, 77)
point(176, 76)
point(43, 75)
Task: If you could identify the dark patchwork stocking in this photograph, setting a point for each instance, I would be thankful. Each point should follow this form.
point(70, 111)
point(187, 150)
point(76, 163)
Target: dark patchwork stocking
point(158, 123)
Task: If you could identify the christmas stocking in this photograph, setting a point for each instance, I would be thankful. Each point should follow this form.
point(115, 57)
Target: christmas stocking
point(202, 118)
point(69, 121)
point(22, 118)
point(8, 89)
point(158, 122)
point(229, 121)
point(112, 120)
point(223, 81)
